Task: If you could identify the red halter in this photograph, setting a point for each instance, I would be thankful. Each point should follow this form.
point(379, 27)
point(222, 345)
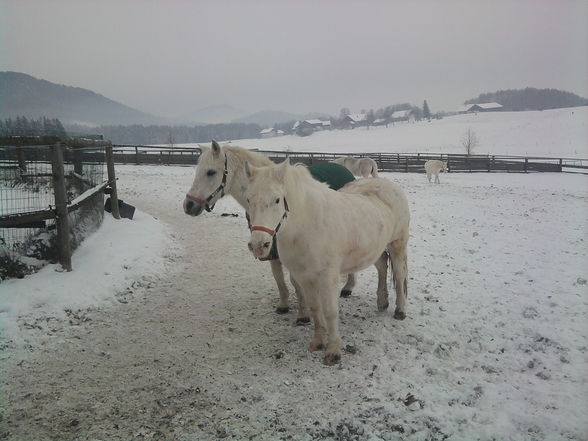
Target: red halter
point(269, 230)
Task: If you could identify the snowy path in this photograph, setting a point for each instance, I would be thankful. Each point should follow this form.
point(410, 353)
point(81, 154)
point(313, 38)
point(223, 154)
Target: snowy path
point(494, 346)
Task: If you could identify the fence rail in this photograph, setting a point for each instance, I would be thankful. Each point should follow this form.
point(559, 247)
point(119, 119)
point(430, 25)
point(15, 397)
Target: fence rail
point(47, 189)
point(387, 162)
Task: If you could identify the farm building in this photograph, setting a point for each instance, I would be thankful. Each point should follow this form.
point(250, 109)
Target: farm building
point(355, 120)
point(271, 133)
point(403, 115)
point(480, 107)
point(380, 122)
point(309, 126)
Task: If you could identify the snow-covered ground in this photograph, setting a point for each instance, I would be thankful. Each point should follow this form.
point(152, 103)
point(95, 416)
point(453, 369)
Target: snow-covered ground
point(495, 344)
point(553, 133)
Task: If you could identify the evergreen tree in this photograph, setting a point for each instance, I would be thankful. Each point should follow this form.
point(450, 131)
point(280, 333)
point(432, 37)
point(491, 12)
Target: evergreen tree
point(426, 111)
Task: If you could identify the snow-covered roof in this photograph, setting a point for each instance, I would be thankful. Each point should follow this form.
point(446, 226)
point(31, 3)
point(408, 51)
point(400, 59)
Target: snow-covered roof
point(488, 105)
point(401, 113)
point(379, 121)
point(296, 124)
point(264, 131)
point(357, 117)
point(313, 121)
point(326, 123)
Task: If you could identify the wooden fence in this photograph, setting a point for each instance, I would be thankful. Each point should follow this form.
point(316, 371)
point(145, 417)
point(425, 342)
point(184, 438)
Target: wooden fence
point(387, 162)
point(22, 157)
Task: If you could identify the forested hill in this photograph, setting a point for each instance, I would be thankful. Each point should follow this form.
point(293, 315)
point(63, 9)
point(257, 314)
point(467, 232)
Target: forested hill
point(24, 95)
point(531, 99)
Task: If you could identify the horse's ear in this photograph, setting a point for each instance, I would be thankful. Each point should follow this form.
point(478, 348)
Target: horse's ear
point(216, 148)
point(249, 170)
point(281, 172)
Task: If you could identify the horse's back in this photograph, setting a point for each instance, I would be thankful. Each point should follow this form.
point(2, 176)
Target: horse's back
point(380, 188)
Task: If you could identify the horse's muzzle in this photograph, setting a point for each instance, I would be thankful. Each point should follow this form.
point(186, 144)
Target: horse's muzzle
point(260, 248)
point(192, 208)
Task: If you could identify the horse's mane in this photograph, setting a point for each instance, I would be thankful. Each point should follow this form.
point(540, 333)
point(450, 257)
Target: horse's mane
point(241, 156)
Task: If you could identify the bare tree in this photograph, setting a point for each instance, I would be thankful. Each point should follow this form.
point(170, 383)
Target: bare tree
point(469, 141)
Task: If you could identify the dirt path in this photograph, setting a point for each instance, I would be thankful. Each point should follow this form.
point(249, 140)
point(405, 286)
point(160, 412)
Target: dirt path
point(199, 354)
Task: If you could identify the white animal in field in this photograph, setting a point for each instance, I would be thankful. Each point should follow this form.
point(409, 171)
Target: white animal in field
point(221, 171)
point(324, 233)
point(433, 167)
point(359, 166)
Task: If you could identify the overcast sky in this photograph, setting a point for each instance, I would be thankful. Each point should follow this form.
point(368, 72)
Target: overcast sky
point(171, 57)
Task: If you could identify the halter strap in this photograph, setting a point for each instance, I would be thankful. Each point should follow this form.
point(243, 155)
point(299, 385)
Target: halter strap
point(220, 188)
point(269, 230)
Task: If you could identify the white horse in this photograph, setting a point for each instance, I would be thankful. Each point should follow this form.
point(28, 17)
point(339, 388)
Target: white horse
point(433, 167)
point(359, 166)
point(220, 171)
point(323, 234)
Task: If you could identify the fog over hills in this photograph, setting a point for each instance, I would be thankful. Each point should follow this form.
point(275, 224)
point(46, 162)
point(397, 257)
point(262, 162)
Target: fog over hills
point(24, 95)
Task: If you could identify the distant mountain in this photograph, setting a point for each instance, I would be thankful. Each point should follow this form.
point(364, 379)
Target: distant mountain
point(24, 95)
point(531, 99)
point(211, 115)
point(271, 117)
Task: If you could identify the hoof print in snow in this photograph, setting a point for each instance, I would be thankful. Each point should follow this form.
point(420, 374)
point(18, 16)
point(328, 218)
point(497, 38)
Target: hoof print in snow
point(282, 309)
point(412, 403)
point(350, 349)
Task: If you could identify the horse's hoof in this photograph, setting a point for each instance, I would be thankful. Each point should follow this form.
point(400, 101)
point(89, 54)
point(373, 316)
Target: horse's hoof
point(301, 321)
point(282, 309)
point(399, 315)
point(332, 359)
point(345, 293)
point(383, 307)
point(314, 347)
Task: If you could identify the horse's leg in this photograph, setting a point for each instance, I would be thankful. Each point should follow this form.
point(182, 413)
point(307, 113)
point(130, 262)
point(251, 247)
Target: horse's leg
point(329, 299)
point(278, 272)
point(382, 292)
point(397, 250)
point(311, 297)
point(429, 176)
point(437, 179)
point(346, 290)
point(303, 313)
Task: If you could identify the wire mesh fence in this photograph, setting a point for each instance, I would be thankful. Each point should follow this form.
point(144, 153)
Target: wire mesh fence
point(27, 188)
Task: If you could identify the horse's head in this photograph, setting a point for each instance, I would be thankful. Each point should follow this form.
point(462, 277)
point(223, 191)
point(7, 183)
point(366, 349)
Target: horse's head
point(209, 182)
point(267, 206)
point(443, 166)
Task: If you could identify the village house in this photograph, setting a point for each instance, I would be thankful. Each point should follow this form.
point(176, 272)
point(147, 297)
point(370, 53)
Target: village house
point(480, 107)
point(355, 120)
point(403, 115)
point(308, 126)
point(271, 133)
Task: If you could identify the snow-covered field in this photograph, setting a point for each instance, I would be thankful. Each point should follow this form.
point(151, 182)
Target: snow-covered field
point(182, 342)
point(554, 133)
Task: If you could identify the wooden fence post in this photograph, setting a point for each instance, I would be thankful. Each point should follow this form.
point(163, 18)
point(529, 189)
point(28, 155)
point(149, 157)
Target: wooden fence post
point(526, 165)
point(136, 155)
point(112, 179)
point(22, 163)
point(63, 241)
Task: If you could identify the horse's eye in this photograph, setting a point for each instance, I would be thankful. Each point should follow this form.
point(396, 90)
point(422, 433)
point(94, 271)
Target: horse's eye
point(211, 173)
point(278, 201)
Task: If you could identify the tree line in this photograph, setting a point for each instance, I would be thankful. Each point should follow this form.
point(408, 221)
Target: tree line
point(530, 99)
point(163, 134)
point(23, 126)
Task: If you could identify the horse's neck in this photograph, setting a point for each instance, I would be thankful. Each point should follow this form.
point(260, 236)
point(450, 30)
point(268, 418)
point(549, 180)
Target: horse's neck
point(238, 180)
point(304, 199)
